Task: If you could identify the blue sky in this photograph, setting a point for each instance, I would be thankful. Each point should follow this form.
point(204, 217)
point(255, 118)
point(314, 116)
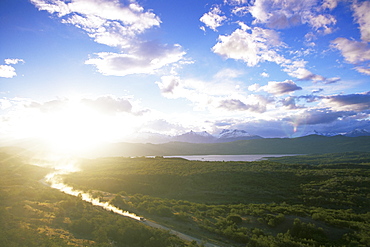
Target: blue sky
point(115, 70)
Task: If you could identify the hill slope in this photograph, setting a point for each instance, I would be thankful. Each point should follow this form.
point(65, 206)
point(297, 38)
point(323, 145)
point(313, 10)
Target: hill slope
point(302, 145)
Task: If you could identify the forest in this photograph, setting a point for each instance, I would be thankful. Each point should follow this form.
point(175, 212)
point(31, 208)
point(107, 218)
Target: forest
point(305, 200)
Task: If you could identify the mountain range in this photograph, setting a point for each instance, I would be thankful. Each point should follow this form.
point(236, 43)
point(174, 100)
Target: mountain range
point(227, 142)
point(352, 133)
point(312, 144)
point(231, 135)
point(226, 135)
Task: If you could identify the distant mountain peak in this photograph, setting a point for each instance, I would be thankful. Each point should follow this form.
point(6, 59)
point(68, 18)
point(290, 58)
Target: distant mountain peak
point(195, 137)
point(353, 133)
point(228, 135)
point(357, 132)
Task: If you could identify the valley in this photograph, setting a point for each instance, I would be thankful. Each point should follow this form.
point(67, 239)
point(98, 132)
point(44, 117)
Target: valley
point(300, 200)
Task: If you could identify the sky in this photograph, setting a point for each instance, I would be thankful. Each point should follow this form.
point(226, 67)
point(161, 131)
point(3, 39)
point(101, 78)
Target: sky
point(117, 70)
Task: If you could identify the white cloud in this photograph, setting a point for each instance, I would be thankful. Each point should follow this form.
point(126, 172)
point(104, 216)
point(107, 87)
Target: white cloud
point(252, 46)
point(286, 13)
point(279, 88)
point(361, 14)
point(348, 102)
point(279, 14)
point(254, 87)
point(353, 51)
point(363, 70)
point(221, 93)
point(235, 2)
point(146, 58)
point(264, 74)
point(84, 12)
point(238, 105)
point(108, 104)
point(213, 19)
point(116, 24)
point(13, 60)
point(297, 69)
point(7, 71)
point(168, 84)
point(240, 10)
point(329, 4)
point(322, 23)
point(256, 45)
point(227, 74)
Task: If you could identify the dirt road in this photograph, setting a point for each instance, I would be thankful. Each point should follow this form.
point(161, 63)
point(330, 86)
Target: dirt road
point(179, 234)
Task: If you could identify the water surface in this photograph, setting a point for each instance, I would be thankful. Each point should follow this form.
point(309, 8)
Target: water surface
point(244, 157)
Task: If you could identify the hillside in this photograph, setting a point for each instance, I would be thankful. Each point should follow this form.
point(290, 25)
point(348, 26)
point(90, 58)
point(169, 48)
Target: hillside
point(312, 144)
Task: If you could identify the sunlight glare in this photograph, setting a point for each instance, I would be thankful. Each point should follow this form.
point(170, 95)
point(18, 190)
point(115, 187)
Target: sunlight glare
point(75, 129)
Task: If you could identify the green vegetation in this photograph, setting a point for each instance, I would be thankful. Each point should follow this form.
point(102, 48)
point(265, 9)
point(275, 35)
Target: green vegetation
point(310, 200)
point(32, 214)
point(320, 200)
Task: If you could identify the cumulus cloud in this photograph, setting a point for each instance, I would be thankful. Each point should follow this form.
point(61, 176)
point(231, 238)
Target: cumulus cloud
point(289, 103)
point(48, 106)
point(102, 17)
point(168, 84)
point(238, 105)
point(361, 14)
point(109, 104)
point(13, 60)
point(256, 45)
point(349, 102)
point(213, 19)
point(116, 24)
point(317, 116)
point(283, 14)
point(145, 58)
point(235, 2)
point(279, 88)
point(354, 52)
point(363, 70)
point(329, 4)
point(220, 93)
point(297, 69)
point(227, 74)
point(322, 23)
point(251, 45)
point(8, 71)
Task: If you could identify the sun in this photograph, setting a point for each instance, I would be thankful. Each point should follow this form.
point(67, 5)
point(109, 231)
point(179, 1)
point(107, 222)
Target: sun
point(74, 129)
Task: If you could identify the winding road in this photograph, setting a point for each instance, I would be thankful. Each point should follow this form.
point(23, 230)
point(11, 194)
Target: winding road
point(179, 234)
point(183, 236)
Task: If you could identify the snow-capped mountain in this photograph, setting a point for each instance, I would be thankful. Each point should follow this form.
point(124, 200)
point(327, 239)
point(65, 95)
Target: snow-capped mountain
point(195, 137)
point(229, 135)
point(352, 133)
point(314, 132)
point(357, 132)
point(225, 136)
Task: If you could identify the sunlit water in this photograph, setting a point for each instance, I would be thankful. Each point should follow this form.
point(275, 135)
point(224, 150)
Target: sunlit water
point(55, 181)
point(246, 157)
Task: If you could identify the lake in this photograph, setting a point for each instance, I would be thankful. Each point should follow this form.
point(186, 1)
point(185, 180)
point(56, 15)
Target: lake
point(244, 157)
